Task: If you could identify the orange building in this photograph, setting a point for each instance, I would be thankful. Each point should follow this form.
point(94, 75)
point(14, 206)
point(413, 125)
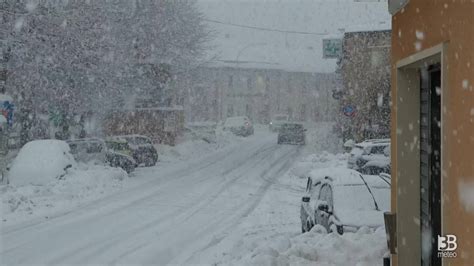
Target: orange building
point(433, 132)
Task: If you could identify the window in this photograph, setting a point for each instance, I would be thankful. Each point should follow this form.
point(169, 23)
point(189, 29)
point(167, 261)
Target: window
point(231, 82)
point(94, 147)
point(230, 110)
point(303, 112)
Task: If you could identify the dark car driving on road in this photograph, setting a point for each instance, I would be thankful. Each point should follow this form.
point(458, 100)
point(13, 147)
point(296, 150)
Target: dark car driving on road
point(292, 133)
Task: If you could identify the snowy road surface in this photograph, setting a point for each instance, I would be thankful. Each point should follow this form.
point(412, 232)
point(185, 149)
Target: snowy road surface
point(181, 211)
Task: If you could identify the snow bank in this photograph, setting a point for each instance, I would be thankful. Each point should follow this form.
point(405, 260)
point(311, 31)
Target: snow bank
point(314, 248)
point(40, 162)
point(197, 143)
point(80, 185)
point(303, 167)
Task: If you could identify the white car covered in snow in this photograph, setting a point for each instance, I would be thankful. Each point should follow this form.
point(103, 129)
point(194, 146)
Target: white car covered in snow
point(239, 125)
point(278, 121)
point(370, 156)
point(344, 200)
point(40, 162)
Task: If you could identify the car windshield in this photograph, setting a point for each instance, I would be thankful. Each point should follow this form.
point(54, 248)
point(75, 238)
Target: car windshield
point(281, 118)
point(360, 200)
point(138, 141)
point(235, 121)
point(292, 127)
point(183, 132)
point(357, 151)
point(118, 146)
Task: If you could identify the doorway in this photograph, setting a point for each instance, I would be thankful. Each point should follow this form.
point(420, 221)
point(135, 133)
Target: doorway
point(430, 162)
point(420, 89)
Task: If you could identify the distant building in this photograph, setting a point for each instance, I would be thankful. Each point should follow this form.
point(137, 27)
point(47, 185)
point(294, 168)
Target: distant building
point(220, 92)
point(365, 72)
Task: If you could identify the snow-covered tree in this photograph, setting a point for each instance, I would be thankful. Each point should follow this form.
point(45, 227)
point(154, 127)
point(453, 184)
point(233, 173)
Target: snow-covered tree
point(72, 57)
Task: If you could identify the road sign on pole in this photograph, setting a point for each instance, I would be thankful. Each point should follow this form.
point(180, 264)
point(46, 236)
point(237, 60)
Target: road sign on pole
point(332, 48)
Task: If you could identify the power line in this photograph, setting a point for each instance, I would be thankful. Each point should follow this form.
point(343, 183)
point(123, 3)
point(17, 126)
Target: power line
point(263, 29)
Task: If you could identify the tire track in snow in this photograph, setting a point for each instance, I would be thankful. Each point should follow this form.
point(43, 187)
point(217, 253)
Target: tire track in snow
point(210, 226)
point(236, 171)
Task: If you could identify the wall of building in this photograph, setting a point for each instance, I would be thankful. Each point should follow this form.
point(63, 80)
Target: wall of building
point(216, 93)
point(420, 25)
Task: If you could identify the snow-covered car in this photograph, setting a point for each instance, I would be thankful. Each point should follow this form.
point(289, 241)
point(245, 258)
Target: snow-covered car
point(370, 156)
point(239, 125)
point(142, 149)
point(88, 150)
point(119, 154)
point(292, 133)
point(40, 162)
point(277, 121)
point(344, 200)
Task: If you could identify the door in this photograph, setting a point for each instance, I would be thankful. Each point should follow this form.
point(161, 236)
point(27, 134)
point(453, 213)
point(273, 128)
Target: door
point(430, 163)
point(323, 213)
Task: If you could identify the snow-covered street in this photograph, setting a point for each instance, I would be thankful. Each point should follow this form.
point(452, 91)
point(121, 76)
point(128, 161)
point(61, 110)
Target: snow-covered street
point(237, 204)
point(178, 211)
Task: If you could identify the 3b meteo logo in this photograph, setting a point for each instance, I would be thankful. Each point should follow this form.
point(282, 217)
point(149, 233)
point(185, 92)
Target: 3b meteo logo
point(447, 246)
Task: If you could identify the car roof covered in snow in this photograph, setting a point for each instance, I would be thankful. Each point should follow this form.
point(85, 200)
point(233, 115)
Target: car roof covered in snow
point(344, 176)
point(236, 120)
point(84, 140)
point(132, 136)
point(337, 176)
point(116, 139)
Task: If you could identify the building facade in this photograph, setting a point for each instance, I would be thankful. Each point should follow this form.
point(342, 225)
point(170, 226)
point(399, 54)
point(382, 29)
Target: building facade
point(432, 132)
point(365, 72)
point(216, 93)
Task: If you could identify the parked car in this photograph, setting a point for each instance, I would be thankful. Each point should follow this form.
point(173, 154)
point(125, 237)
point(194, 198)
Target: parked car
point(119, 154)
point(277, 121)
point(239, 125)
point(292, 133)
point(142, 149)
point(39, 162)
point(88, 150)
point(344, 200)
point(370, 156)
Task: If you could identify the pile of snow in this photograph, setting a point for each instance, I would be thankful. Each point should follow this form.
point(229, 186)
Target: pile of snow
point(364, 247)
point(304, 166)
point(40, 162)
point(80, 185)
point(196, 143)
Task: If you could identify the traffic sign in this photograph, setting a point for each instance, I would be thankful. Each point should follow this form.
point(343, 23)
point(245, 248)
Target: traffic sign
point(332, 48)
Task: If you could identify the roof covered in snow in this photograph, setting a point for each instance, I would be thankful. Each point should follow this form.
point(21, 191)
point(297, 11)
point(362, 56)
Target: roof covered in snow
point(284, 34)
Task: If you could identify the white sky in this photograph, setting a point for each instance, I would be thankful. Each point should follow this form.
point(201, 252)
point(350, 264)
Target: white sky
point(292, 52)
